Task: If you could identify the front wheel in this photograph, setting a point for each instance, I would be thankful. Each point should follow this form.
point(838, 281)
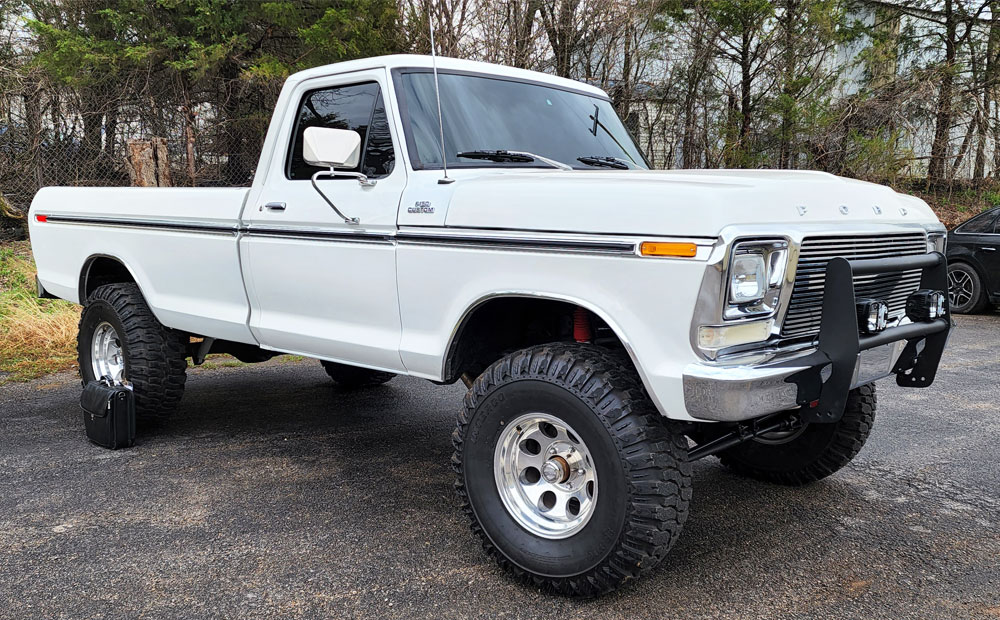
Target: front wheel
point(811, 452)
point(965, 289)
point(571, 479)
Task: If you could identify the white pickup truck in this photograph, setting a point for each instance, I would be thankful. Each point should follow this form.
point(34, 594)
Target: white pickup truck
point(612, 323)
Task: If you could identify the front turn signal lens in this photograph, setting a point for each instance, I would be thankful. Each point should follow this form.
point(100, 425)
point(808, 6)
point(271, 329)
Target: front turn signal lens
point(664, 248)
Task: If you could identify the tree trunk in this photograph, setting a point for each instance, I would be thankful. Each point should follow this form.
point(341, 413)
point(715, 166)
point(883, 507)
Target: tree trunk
point(788, 77)
point(559, 20)
point(943, 117)
point(33, 119)
point(521, 17)
point(988, 86)
point(746, 91)
point(93, 125)
point(148, 163)
point(965, 147)
point(110, 133)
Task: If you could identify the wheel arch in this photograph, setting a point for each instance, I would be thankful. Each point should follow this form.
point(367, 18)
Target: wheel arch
point(969, 261)
point(451, 365)
point(986, 296)
point(101, 269)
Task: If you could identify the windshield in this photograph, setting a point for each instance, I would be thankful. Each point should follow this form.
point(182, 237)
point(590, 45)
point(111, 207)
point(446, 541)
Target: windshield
point(486, 113)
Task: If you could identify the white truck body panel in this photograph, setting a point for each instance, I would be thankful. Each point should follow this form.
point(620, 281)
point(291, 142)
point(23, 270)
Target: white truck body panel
point(190, 278)
point(676, 203)
point(344, 307)
point(390, 294)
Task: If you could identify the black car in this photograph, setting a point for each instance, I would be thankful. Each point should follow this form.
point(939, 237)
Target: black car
point(974, 263)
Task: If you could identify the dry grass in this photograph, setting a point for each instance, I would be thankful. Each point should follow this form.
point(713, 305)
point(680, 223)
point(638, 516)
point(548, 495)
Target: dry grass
point(37, 336)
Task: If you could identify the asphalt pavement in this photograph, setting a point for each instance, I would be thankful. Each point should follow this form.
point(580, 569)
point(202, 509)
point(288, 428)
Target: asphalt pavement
point(273, 493)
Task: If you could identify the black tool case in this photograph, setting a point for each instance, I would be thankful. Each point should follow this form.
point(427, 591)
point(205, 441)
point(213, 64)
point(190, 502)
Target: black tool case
point(109, 414)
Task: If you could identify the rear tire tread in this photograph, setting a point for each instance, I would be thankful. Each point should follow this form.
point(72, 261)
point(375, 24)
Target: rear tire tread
point(156, 355)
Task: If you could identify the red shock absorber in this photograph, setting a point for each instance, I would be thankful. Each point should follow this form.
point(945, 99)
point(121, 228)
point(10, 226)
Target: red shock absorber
point(581, 325)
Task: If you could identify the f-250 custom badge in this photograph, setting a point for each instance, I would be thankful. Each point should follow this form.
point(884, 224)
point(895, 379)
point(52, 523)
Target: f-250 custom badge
point(422, 206)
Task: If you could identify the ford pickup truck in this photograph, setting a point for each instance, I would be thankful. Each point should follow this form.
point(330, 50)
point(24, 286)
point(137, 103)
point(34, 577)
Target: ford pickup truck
point(461, 221)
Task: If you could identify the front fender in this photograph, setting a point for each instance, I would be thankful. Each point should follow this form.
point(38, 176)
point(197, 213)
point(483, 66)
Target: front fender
point(648, 302)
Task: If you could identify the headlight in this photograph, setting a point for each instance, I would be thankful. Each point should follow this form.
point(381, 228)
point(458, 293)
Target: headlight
point(747, 278)
point(937, 242)
point(756, 271)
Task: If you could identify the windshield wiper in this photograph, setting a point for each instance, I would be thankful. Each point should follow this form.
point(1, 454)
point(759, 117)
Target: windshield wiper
point(605, 162)
point(519, 157)
point(498, 156)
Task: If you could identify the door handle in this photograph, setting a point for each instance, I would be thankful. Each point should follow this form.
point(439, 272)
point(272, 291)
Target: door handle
point(274, 206)
point(989, 249)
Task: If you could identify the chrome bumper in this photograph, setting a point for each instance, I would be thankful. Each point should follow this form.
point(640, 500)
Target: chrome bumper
point(735, 393)
point(818, 381)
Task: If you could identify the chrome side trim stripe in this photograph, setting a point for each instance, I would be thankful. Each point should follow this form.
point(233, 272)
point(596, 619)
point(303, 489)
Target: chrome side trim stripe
point(535, 244)
point(167, 225)
point(518, 243)
point(318, 235)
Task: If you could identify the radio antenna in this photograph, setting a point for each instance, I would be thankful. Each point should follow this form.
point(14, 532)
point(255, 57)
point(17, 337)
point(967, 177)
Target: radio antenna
point(437, 95)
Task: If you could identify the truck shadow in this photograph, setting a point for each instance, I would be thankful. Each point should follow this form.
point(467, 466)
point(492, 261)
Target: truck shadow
point(374, 436)
point(260, 442)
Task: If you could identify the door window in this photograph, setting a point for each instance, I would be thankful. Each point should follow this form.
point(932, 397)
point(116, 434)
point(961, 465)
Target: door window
point(979, 224)
point(358, 107)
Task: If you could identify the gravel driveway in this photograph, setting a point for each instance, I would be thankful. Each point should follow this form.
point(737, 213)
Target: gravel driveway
point(274, 493)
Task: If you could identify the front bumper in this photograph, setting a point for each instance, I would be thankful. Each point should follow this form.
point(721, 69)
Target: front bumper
point(818, 381)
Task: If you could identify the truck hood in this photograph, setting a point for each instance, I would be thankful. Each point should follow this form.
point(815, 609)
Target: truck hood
point(690, 203)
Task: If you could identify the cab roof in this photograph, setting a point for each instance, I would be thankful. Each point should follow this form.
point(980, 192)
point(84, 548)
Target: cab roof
point(401, 61)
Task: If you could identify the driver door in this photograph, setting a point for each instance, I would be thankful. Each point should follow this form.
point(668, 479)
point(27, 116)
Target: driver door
point(319, 286)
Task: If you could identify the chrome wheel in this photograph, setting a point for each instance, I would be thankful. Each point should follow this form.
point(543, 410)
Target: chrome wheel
point(106, 354)
point(545, 475)
point(961, 288)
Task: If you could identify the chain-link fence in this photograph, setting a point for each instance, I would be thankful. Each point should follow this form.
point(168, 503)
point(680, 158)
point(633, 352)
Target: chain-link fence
point(59, 134)
point(209, 151)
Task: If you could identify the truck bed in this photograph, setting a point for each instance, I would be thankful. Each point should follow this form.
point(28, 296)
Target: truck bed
point(180, 245)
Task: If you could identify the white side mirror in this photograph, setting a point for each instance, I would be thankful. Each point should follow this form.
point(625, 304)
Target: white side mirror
point(331, 148)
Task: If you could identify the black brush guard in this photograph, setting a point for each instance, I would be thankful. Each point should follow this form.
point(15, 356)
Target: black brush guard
point(840, 343)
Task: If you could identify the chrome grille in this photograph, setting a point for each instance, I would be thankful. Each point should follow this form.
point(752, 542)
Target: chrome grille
point(805, 307)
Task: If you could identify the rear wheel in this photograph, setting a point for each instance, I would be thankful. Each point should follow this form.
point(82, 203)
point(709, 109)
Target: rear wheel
point(120, 338)
point(355, 377)
point(569, 476)
point(965, 289)
point(811, 452)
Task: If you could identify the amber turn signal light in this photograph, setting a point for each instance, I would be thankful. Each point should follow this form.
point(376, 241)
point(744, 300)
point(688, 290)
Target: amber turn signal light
point(658, 248)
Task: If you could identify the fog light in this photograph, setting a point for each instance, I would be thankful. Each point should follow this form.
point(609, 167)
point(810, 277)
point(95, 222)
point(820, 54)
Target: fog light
point(873, 315)
point(925, 305)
